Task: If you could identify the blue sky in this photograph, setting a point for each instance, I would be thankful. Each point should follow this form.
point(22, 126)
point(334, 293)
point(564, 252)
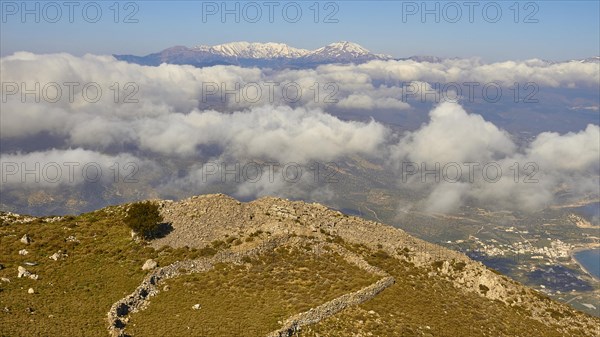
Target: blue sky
point(564, 29)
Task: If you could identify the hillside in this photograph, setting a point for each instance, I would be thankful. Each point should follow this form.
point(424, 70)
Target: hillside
point(270, 267)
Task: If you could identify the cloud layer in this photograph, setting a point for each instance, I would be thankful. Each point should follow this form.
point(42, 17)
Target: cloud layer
point(182, 117)
point(477, 162)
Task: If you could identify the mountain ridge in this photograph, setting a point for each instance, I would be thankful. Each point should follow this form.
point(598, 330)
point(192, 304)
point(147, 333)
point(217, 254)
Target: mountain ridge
point(242, 53)
point(217, 257)
point(280, 55)
point(202, 219)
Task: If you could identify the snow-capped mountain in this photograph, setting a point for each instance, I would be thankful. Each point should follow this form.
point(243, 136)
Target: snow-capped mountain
point(254, 50)
point(255, 54)
point(345, 50)
point(595, 59)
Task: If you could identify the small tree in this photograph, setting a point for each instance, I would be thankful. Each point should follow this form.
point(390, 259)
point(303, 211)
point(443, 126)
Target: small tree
point(144, 219)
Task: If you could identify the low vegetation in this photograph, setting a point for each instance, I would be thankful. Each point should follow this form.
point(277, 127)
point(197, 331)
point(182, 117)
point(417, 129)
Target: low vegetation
point(248, 300)
point(73, 294)
point(144, 219)
point(417, 305)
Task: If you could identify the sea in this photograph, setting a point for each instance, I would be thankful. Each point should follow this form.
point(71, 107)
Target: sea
point(590, 259)
point(590, 211)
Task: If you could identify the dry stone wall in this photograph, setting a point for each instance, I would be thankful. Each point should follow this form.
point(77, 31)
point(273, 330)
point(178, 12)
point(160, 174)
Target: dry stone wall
point(118, 315)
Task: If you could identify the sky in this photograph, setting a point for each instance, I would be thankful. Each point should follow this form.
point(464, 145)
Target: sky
point(553, 30)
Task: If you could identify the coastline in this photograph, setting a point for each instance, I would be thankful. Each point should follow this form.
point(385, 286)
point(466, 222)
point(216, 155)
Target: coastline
point(580, 249)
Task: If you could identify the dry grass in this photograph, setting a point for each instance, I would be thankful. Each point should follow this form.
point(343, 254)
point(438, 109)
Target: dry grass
point(417, 305)
point(248, 300)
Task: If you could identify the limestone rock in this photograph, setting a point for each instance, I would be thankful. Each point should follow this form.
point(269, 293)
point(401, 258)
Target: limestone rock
point(196, 307)
point(23, 272)
point(31, 291)
point(149, 265)
point(72, 238)
point(57, 256)
point(135, 236)
point(26, 239)
point(23, 252)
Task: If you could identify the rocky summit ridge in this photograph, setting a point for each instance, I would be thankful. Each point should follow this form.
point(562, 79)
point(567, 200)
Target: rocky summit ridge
point(200, 220)
point(269, 267)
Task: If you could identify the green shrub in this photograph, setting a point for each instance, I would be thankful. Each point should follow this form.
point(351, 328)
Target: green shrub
point(144, 219)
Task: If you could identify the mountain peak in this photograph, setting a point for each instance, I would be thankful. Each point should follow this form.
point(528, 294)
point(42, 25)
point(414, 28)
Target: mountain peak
point(343, 48)
point(347, 45)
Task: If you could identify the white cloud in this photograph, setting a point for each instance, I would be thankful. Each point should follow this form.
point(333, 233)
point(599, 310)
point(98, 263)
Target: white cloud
point(172, 119)
point(494, 173)
point(71, 167)
point(452, 135)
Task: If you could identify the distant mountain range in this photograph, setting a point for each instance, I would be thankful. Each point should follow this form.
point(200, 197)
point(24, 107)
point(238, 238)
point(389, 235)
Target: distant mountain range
point(274, 55)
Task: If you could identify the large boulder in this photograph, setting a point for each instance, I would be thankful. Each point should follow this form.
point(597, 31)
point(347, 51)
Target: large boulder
point(149, 265)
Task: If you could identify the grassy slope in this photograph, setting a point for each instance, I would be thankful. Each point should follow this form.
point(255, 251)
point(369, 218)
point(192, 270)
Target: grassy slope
point(74, 294)
point(248, 300)
point(419, 306)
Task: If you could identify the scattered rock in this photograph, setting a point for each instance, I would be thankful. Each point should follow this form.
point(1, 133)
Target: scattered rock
point(135, 237)
point(5, 279)
point(54, 219)
point(72, 238)
point(23, 272)
point(149, 265)
point(196, 307)
point(31, 291)
point(26, 239)
point(166, 288)
point(23, 252)
point(30, 264)
point(57, 256)
point(6, 309)
point(30, 310)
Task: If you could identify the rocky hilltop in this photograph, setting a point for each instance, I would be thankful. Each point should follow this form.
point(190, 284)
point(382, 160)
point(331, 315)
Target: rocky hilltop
point(201, 220)
point(270, 267)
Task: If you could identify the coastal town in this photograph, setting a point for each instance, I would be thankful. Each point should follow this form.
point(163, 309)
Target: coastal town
point(533, 256)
